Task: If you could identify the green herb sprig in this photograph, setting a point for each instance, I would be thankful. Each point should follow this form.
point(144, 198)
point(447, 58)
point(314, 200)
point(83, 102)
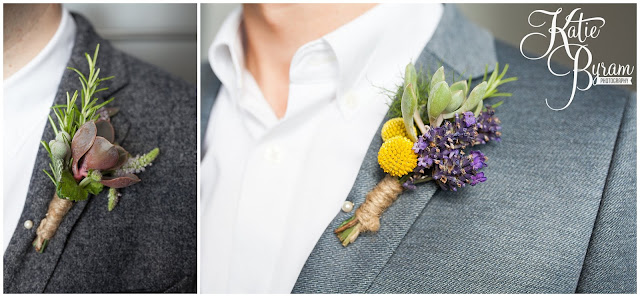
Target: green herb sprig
point(89, 104)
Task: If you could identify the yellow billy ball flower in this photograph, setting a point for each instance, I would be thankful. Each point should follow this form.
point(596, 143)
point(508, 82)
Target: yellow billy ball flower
point(396, 156)
point(395, 127)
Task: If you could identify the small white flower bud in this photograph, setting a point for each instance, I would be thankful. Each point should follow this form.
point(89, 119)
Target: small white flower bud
point(63, 136)
point(59, 149)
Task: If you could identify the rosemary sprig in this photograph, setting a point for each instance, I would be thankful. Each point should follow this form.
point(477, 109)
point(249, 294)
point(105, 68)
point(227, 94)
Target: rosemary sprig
point(89, 105)
point(496, 80)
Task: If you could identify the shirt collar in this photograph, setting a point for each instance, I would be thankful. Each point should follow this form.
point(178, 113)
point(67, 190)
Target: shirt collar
point(226, 56)
point(357, 43)
point(353, 44)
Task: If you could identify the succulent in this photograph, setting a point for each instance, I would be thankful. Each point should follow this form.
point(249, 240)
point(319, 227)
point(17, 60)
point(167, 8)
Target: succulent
point(92, 149)
point(444, 101)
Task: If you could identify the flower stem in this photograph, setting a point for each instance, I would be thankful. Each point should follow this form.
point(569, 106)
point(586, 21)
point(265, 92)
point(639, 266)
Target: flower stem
point(419, 122)
point(347, 224)
point(85, 181)
point(352, 235)
point(343, 235)
point(423, 180)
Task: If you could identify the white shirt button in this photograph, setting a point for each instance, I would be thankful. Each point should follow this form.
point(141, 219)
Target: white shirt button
point(351, 101)
point(28, 224)
point(347, 206)
point(273, 153)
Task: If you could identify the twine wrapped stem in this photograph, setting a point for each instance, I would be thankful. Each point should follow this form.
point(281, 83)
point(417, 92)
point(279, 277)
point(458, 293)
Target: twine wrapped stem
point(367, 216)
point(58, 208)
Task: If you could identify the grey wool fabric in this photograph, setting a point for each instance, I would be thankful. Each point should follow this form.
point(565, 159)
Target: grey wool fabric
point(556, 215)
point(148, 242)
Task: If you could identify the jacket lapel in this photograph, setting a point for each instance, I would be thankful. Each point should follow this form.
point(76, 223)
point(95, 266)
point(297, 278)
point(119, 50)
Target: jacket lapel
point(24, 269)
point(209, 86)
point(331, 268)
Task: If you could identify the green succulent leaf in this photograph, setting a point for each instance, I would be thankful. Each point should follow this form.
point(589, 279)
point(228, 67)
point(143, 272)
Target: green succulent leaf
point(410, 76)
point(409, 102)
point(69, 189)
point(478, 110)
point(437, 77)
point(457, 97)
point(475, 97)
point(439, 99)
point(460, 86)
point(409, 105)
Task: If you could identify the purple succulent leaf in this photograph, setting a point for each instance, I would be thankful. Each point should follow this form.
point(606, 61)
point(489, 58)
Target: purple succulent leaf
point(112, 110)
point(105, 113)
point(105, 129)
point(81, 143)
point(82, 171)
point(123, 156)
point(120, 181)
point(102, 155)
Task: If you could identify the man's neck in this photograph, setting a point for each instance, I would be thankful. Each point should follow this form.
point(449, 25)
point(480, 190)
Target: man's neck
point(272, 34)
point(27, 29)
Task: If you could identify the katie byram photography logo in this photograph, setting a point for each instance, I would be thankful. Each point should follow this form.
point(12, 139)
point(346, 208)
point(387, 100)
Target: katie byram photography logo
point(572, 38)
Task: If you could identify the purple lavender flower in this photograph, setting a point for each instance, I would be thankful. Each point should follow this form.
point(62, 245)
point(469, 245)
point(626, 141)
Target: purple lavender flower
point(441, 150)
point(478, 178)
point(419, 145)
point(478, 159)
point(469, 119)
point(458, 169)
point(488, 126)
point(409, 184)
point(464, 130)
point(424, 161)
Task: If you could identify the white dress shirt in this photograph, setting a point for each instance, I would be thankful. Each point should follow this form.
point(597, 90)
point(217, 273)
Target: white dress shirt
point(271, 186)
point(28, 96)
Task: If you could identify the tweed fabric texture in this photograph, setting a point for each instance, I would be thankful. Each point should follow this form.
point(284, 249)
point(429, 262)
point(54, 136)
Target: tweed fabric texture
point(148, 242)
point(556, 215)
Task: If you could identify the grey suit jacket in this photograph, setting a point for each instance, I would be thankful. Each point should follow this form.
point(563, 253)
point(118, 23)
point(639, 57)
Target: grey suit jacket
point(556, 215)
point(148, 242)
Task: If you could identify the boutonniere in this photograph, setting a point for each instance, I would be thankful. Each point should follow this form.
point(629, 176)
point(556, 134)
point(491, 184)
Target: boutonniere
point(438, 151)
point(84, 160)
